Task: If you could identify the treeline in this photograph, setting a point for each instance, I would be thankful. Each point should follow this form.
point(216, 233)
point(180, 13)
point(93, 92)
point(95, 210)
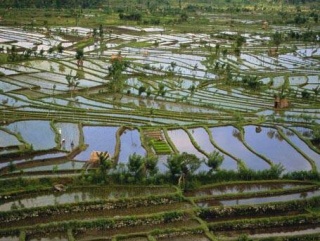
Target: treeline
point(149, 4)
point(51, 3)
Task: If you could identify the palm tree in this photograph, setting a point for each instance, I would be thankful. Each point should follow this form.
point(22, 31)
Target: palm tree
point(60, 48)
point(182, 166)
point(105, 164)
point(73, 82)
point(142, 167)
point(277, 39)
point(150, 165)
point(135, 165)
point(214, 160)
point(115, 71)
point(79, 57)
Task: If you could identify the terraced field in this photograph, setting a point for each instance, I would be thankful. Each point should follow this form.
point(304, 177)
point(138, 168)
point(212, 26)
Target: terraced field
point(181, 93)
point(174, 92)
point(215, 212)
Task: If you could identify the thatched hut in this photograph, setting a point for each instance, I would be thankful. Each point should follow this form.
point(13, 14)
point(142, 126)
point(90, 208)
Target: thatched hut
point(280, 103)
point(94, 160)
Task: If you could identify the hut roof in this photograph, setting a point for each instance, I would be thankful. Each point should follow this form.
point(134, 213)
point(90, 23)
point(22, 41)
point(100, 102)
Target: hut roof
point(94, 156)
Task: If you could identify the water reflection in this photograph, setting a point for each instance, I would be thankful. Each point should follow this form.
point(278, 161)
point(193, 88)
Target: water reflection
point(37, 133)
point(81, 195)
point(130, 143)
point(240, 188)
point(270, 144)
point(229, 139)
point(98, 138)
point(259, 200)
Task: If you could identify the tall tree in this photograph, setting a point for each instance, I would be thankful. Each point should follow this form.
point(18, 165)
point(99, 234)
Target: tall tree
point(182, 166)
point(277, 39)
point(214, 160)
point(118, 65)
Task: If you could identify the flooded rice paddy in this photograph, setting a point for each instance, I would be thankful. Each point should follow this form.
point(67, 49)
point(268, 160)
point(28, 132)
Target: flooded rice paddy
point(255, 149)
point(81, 195)
point(242, 188)
point(178, 84)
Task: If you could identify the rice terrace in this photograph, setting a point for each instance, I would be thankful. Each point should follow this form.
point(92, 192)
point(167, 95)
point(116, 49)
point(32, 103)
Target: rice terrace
point(148, 120)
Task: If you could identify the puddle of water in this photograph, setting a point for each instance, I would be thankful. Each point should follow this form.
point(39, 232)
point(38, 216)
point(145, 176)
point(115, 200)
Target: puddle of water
point(98, 138)
point(228, 139)
point(130, 143)
point(37, 133)
point(270, 144)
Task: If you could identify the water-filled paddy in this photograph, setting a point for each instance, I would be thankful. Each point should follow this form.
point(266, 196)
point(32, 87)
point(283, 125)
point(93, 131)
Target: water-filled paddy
point(67, 165)
point(304, 147)
point(129, 144)
point(197, 96)
point(276, 232)
point(98, 138)
point(7, 139)
point(39, 134)
point(241, 188)
point(259, 200)
point(229, 139)
point(69, 133)
point(81, 195)
point(183, 143)
point(269, 143)
point(203, 140)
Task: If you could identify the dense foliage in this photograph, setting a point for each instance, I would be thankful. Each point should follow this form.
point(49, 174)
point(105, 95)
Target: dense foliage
point(188, 5)
point(51, 3)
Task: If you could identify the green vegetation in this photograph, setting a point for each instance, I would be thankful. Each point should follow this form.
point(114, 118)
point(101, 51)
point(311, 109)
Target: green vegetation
point(202, 112)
